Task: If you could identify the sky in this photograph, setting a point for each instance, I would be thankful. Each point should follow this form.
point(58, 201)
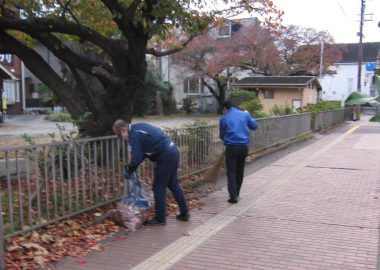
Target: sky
point(341, 18)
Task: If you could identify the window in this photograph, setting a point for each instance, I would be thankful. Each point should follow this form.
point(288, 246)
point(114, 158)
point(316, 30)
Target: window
point(268, 93)
point(225, 29)
point(193, 86)
point(367, 79)
point(350, 85)
point(175, 59)
point(296, 103)
point(11, 90)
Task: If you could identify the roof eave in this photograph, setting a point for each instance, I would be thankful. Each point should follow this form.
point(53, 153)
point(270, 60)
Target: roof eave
point(268, 85)
point(12, 76)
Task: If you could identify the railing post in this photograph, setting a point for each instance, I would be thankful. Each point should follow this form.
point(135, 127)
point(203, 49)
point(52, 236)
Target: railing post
point(313, 121)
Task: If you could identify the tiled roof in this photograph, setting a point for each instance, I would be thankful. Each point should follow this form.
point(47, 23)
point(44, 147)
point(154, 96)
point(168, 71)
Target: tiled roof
point(351, 52)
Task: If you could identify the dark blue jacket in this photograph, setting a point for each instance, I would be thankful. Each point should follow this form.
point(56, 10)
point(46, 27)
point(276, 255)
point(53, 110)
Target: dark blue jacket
point(234, 127)
point(145, 141)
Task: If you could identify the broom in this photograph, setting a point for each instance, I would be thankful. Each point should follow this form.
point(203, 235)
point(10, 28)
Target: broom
point(212, 174)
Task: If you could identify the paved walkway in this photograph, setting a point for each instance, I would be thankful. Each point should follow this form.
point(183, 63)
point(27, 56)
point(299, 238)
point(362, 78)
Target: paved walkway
point(315, 208)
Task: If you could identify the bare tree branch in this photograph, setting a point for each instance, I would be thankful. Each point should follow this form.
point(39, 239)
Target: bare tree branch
point(156, 53)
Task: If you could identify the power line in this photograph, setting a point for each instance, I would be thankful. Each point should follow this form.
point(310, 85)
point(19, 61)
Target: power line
point(342, 9)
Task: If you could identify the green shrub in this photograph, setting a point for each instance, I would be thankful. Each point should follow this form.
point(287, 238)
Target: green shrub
point(254, 106)
point(376, 118)
point(278, 110)
point(241, 96)
point(189, 105)
point(168, 100)
point(59, 117)
point(320, 106)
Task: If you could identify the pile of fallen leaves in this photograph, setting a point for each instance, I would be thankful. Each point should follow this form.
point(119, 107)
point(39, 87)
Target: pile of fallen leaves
point(71, 238)
point(77, 236)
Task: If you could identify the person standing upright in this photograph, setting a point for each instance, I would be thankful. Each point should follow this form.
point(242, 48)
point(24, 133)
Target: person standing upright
point(234, 131)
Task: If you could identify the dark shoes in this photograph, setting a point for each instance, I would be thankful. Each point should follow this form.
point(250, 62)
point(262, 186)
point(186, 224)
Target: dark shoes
point(154, 222)
point(232, 200)
point(183, 217)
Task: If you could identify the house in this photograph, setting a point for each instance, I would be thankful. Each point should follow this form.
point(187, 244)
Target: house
point(340, 85)
point(295, 91)
point(22, 90)
point(10, 82)
point(37, 95)
point(187, 84)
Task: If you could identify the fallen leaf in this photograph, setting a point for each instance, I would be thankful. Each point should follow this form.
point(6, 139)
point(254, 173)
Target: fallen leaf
point(35, 236)
point(81, 261)
point(47, 238)
point(40, 260)
point(41, 250)
point(14, 248)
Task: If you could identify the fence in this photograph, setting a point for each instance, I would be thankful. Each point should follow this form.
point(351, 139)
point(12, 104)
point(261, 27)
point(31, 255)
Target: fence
point(325, 119)
point(276, 130)
point(41, 184)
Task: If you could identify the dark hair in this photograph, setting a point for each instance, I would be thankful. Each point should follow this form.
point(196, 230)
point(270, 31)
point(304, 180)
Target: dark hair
point(227, 104)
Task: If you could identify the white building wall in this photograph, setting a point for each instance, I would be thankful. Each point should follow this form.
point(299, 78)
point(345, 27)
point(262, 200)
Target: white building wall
point(342, 84)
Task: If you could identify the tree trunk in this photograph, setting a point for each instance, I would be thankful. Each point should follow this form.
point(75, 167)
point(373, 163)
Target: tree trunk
point(221, 98)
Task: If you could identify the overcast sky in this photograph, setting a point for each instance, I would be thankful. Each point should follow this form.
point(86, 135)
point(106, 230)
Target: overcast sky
point(339, 17)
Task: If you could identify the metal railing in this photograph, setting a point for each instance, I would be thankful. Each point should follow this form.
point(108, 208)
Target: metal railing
point(325, 119)
point(276, 130)
point(41, 184)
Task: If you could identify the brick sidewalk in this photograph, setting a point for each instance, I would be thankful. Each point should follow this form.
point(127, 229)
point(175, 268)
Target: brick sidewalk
point(316, 208)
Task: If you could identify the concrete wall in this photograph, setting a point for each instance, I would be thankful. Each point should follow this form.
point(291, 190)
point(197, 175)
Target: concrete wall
point(342, 84)
point(282, 96)
point(285, 96)
point(310, 95)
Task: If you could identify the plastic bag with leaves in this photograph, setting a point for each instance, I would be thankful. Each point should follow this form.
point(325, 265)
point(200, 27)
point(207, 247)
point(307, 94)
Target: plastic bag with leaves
point(137, 199)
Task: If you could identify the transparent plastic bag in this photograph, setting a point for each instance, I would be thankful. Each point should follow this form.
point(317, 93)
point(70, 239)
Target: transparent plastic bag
point(137, 199)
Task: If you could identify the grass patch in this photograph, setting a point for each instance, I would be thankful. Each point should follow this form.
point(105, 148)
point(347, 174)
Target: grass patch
point(60, 117)
point(376, 118)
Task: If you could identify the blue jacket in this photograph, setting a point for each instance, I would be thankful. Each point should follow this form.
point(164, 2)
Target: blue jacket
point(234, 127)
point(145, 141)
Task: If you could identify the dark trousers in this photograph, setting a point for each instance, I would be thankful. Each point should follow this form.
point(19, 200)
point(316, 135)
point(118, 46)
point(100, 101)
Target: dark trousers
point(235, 160)
point(165, 176)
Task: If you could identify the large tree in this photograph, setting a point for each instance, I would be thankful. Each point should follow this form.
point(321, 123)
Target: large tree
point(119, 33)
point(300, 50)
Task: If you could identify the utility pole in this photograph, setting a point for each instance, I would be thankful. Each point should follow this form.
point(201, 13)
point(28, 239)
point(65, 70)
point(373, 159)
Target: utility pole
point(359, 86)
point(321, 60)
